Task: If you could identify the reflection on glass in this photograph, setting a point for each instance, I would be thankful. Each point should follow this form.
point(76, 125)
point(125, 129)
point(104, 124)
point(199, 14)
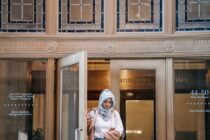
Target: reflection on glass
point(139, 120)
point(137, 93)
point(22, 99)
point(192, 104)
point(70, 100)
point(92, 104)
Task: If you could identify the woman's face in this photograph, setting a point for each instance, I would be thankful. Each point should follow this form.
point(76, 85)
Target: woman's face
point(107, 104)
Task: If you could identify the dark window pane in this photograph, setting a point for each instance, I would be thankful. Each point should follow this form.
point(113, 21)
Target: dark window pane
point(15, 12)
point(75, 13)
point(28, 12)
point(205, 10)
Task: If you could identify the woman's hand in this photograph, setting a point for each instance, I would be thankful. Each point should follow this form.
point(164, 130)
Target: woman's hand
point(89, 123)
point(88, 116)
point(112, 134)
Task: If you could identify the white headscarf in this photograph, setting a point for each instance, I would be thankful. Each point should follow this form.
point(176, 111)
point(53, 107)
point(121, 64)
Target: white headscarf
point(106, 113)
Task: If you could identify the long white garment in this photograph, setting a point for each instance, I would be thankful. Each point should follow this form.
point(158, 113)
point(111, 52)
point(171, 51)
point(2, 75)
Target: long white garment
point(102, 126)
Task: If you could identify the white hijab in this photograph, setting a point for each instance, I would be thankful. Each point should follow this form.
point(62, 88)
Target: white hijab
point(106, 113)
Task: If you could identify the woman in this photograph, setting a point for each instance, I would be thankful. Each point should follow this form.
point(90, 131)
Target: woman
point(104, 123)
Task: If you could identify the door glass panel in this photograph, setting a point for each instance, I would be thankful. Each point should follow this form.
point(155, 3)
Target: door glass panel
point(70, 101)
point(143, 111)
point(72, 97)
point(192, 102)
point(22, 99)
point(98, 79)
point(137, 94)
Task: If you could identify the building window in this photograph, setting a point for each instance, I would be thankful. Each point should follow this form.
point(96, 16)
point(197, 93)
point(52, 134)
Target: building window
point(192, 99)
point(22, 99)
point(20, 12)
point(192, 15)
point(139, 15)
point(22, 16)
point(81, 15)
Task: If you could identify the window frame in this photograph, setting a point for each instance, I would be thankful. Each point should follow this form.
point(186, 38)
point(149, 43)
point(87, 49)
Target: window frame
point(51, 29)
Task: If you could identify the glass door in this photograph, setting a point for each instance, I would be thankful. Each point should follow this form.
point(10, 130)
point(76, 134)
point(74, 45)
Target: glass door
point(139, 87)
point(191, 99)
point(72, 97)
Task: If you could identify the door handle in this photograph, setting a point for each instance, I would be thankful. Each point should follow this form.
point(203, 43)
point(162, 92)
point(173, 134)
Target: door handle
point(77, 133)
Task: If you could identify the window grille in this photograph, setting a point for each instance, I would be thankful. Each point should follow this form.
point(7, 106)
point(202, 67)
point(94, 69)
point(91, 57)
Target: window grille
point(139, 15)
point(22, 16)
point(192, 15)
point(81, 16)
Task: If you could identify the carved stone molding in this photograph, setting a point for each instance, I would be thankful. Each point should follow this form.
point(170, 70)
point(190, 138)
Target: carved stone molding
point(110, 47)
point(138, 46)
point(105, 48)
point(169, 46)
point(78, 45)
point(51, 46)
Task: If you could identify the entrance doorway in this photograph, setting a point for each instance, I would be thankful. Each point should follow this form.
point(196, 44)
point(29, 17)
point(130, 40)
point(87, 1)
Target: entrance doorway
point(139, 88)
point(148, 92)
point(138, 104)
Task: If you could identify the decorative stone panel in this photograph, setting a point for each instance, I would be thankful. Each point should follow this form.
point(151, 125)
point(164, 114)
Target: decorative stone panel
point(169, 46)
point(51, 46)
point(104, 48)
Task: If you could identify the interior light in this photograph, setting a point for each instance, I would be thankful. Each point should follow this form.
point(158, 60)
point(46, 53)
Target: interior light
point(129, 94)
point(137, 132)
